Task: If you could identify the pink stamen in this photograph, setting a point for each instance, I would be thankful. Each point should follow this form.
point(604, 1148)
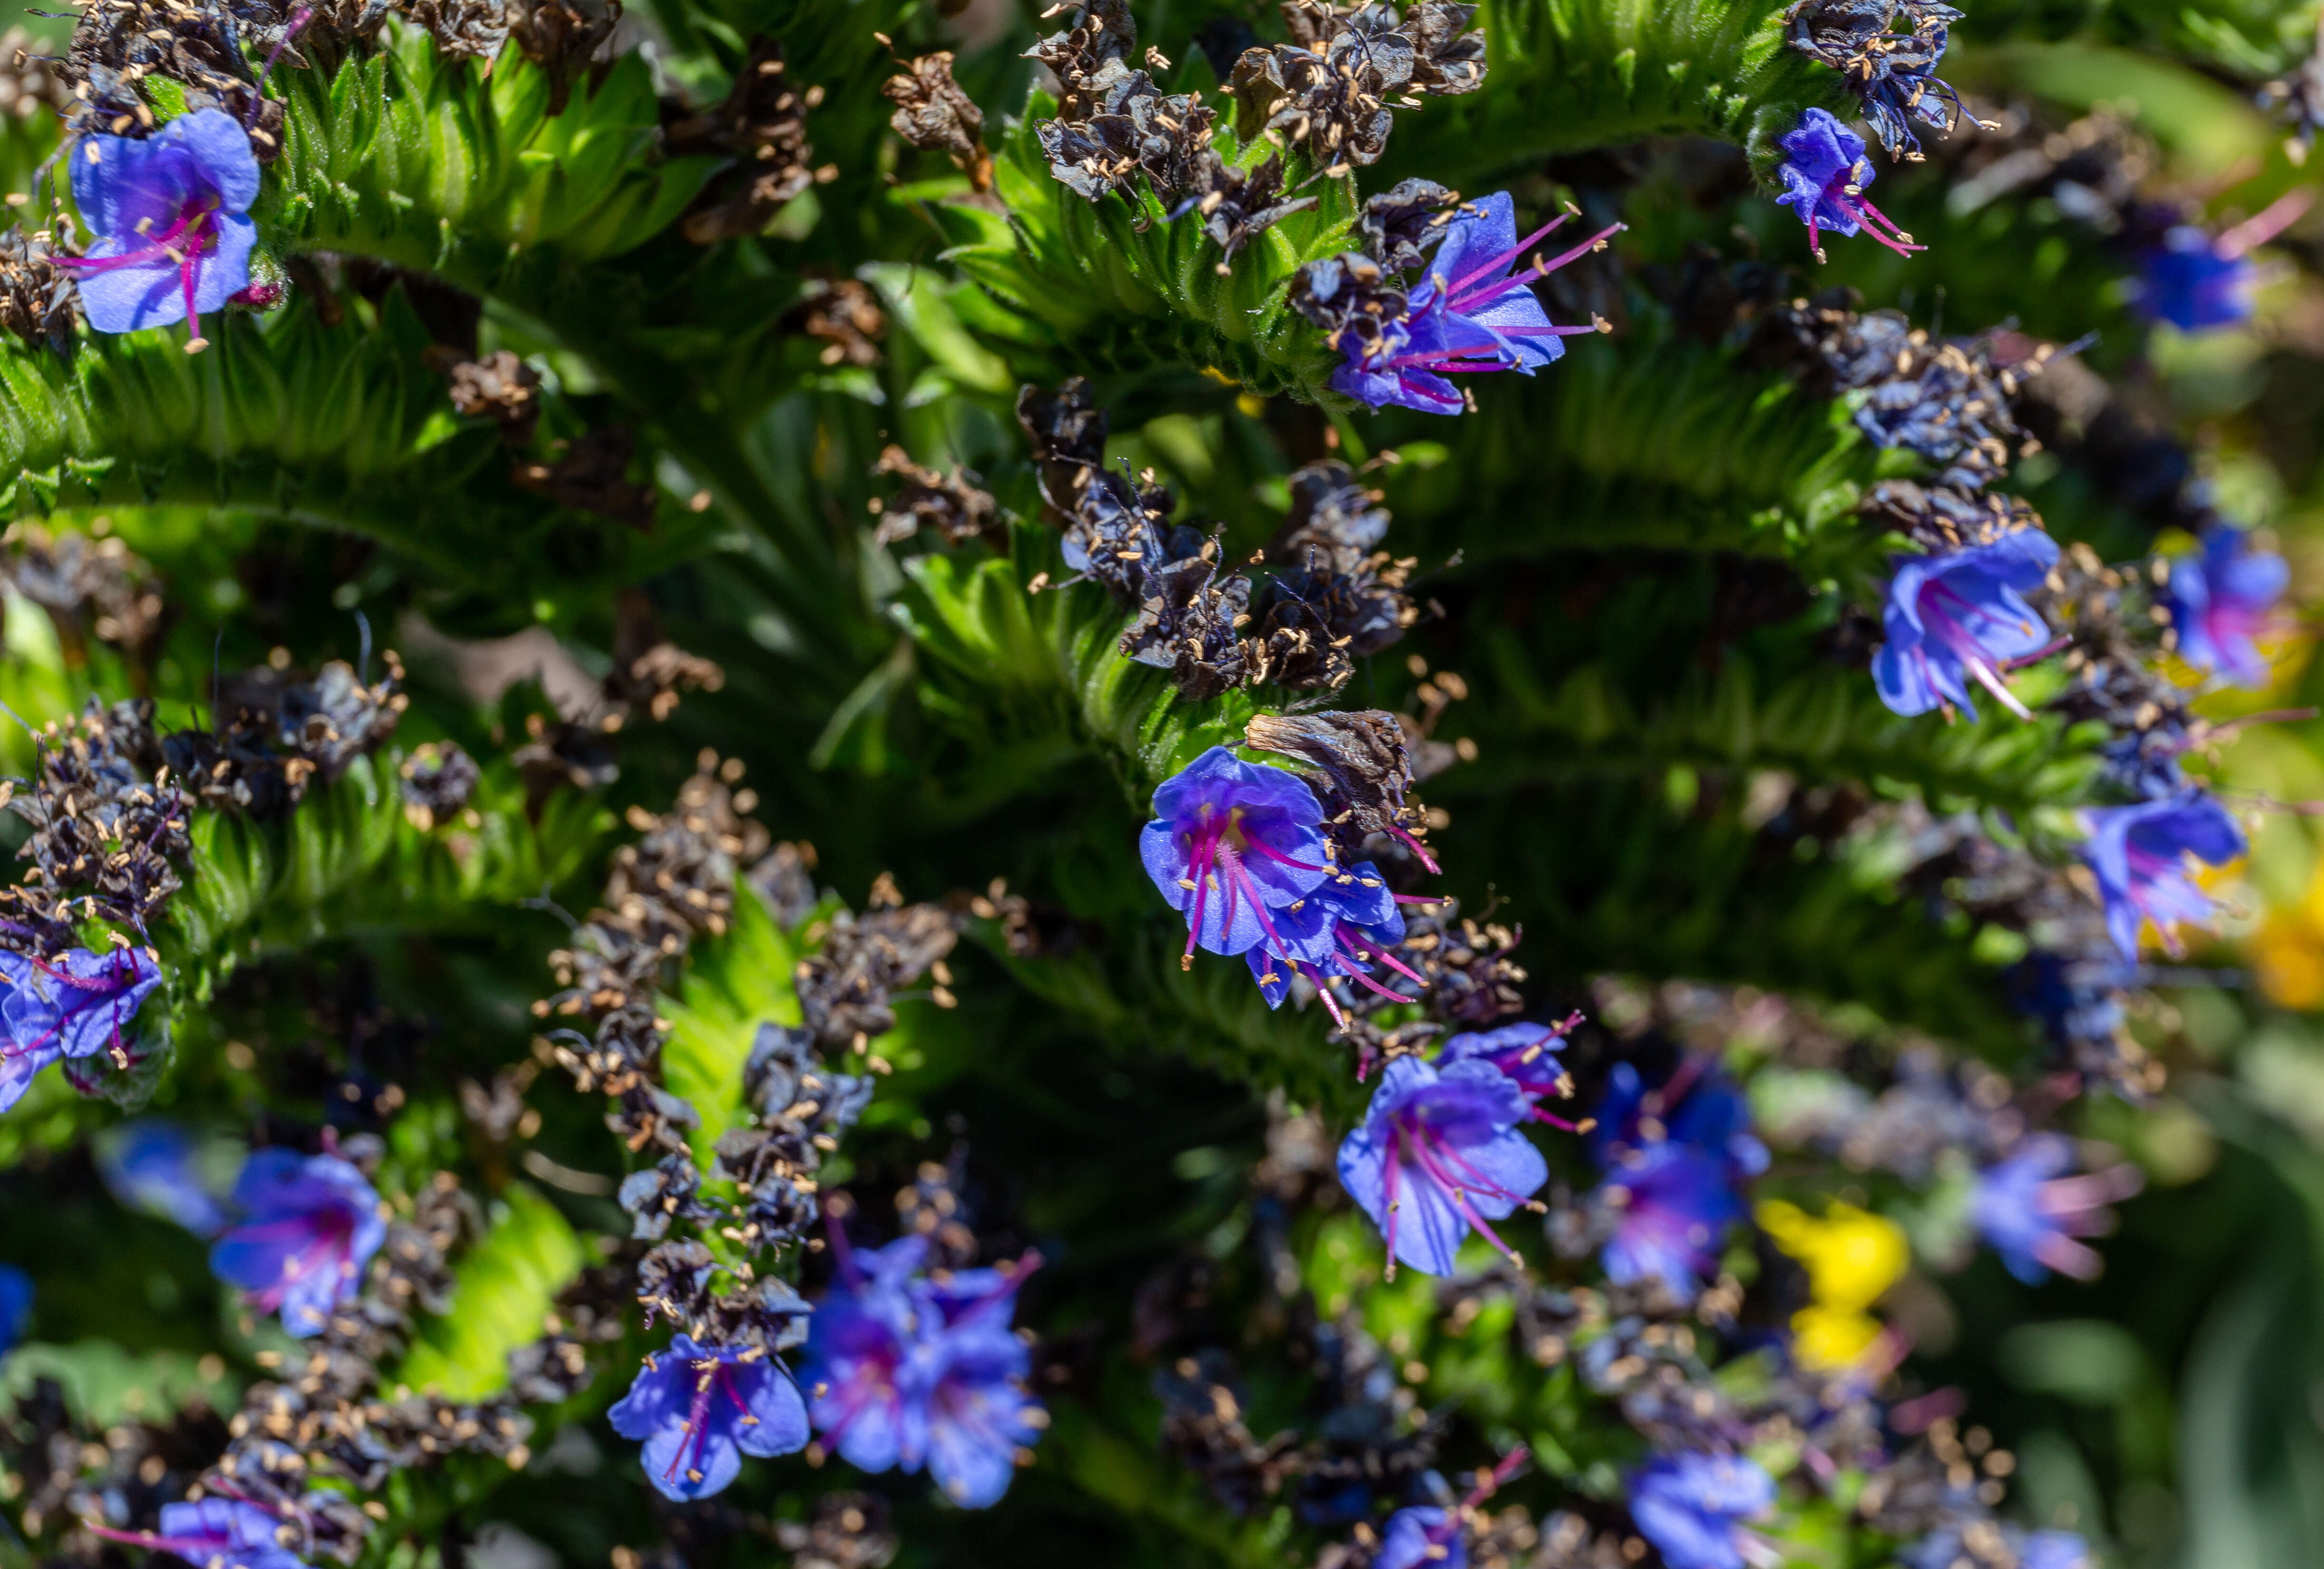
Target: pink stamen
point(2264, 225)
point(1467, 303)
point(1502, 259)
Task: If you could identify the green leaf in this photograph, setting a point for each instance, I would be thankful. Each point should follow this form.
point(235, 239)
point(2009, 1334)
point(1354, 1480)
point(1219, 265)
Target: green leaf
point(504, 1290)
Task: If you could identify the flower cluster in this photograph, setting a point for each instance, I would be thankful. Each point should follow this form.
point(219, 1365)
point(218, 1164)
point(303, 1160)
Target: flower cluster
point(1327, 598)
point(1398, 338)
point(913, 1364)
point(1115, 128)
point(1888, 50)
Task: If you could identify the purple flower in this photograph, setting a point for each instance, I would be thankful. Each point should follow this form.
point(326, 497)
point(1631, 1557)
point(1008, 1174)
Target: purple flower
point(1824, 173)
point(2192, 283)
point(2139, 854)
point(858, 1341)
point(1677, 1203)
point(1526, 1055)
point(15, 1305)
point(310, 1223)
point(1468, 313)
point(1690, 1507)
point(2223, 599)
point(1343, 928)
point(2030, 1212)
point(1675, 1157)
point(2197, 281)
point(908, 1370)
point(172, 216)
point(2025, 1549)
point(1423, 1538)
point(699, 1409)
point(1960, 617)
point(74, 1007)
point(1438, 1155)
point(155, 1165)
point(1231, 843)
point(218, 1533)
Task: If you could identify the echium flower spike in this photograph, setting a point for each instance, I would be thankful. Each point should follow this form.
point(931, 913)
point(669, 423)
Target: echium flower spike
point(2139, 854)
point(2222, 600)
point(172, 214)
point(1824, 174)
point(1232, 845)
point(1960, 617)
point(698, 1409)
point(1439, 1155)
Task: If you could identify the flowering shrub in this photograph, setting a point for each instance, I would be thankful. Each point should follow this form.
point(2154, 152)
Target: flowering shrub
point(835, 784)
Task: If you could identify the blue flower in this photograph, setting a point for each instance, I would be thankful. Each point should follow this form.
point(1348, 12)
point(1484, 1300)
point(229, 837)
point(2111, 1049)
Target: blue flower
point(698, 1409)
point(1526, 1055)
point(155, 1165)
point(1690, 1507)
point(1349, 922)
point(309, 1225)
point(1677, 1203)
point(2223, 599)
point(15, 1305)
point(2192, 283)
point(1232, 842)
point(1438, 1155)
point(1698, 1106)
point(1824, 174)
point(2025, 1549)
point(1469, 312)
point(909, 1370)
point(2030, 1212)
point(218, 1533)
point(2139, 854)
point(1960, 617)
point(1675, 1158)
point(172, 216)
point(1423, 1538)
point(74, 1007)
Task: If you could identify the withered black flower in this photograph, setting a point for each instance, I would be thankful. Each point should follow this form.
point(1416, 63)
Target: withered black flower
point(39, 301)
point(934, 115)
point(849, 1531)
point(1068, 431)
point(462, 29)
point(1357, 759)
point(562, 37)
point(1238, 206)
point(846, 990)
point(1090, 57)
point(502, 388)
point(1189, 624)
point(955, 504)
point(590, 475)
point(761, 125)
point(1401, 226)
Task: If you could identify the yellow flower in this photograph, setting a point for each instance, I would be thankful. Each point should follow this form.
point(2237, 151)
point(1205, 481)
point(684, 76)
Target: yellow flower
point(1852, 1257)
